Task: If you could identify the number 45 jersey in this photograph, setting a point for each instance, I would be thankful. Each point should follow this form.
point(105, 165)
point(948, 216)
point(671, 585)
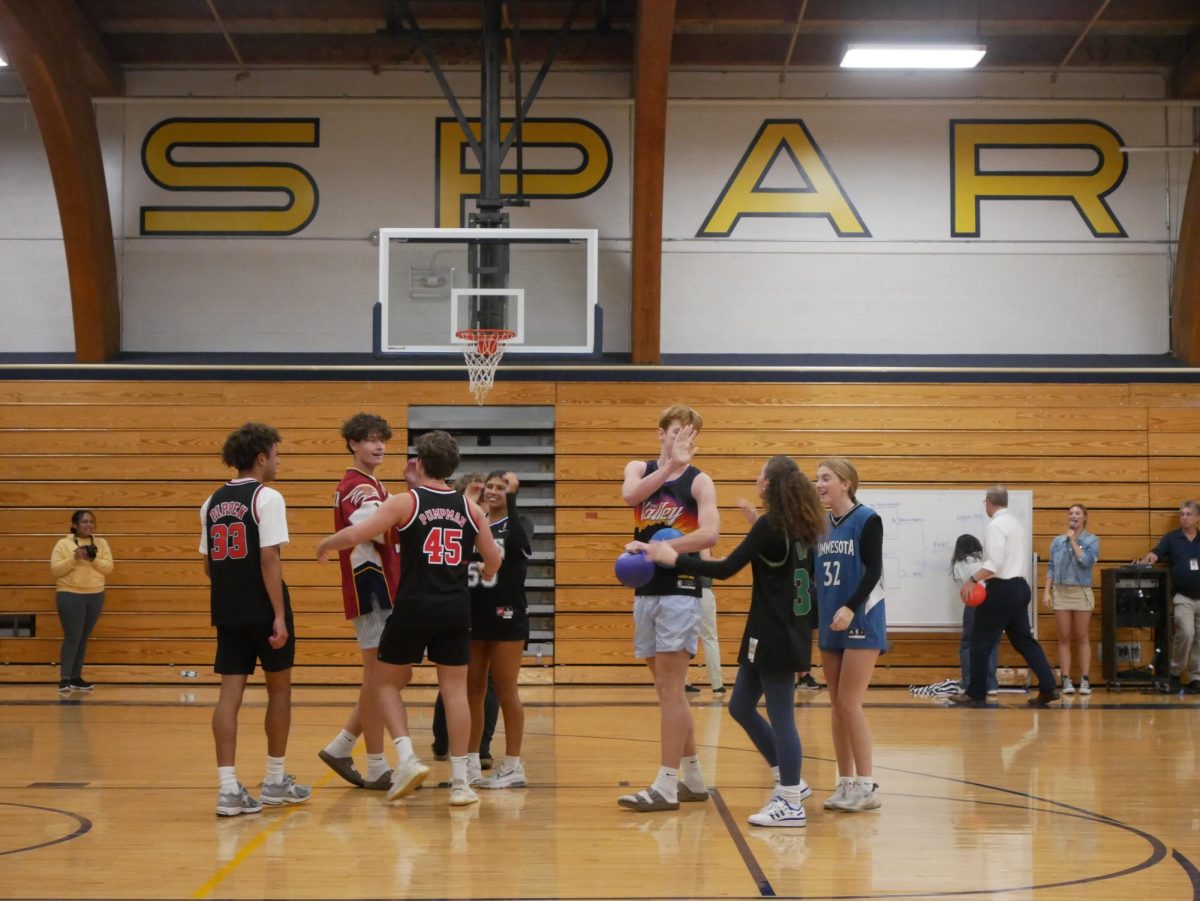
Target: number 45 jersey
point(240, 518)
point(435, 550)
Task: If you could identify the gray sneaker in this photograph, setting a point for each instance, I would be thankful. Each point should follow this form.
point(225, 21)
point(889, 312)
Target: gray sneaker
point(647, 801)
point(840, 796)
point(343, 766)
point(232, 804)
point(862, 797)
point(289, 791)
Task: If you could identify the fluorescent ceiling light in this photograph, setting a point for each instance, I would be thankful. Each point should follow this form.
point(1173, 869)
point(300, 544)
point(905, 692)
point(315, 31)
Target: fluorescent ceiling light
point(3, 62)
point(913, 56)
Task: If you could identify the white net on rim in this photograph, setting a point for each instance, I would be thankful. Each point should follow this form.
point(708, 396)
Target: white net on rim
point(482, 353)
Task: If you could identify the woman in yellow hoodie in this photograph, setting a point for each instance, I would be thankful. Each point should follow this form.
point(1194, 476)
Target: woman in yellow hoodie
point(80, 562)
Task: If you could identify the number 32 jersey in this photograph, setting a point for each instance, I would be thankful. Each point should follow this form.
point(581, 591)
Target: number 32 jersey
point(435, 550)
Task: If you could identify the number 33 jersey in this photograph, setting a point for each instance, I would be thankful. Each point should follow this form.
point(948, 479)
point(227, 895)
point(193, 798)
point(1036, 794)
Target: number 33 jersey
point(239, 518)
point(435, 550)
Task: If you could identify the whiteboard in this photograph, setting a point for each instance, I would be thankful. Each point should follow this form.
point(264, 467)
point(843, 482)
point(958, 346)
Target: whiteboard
point(920, 528)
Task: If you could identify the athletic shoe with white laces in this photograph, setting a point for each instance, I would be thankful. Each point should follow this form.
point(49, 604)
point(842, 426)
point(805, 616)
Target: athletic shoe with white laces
point(840, 796)
point(1085, 687)
point(289, 791)
point(862, 797)
point(461, 794)
point(407, 778)
point(506, 777)
point(779, 812)
point(232, 804)
point(1067, 687)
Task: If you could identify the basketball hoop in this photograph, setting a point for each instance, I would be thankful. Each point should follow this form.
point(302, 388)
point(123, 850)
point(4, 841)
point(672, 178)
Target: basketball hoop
point(484, 348)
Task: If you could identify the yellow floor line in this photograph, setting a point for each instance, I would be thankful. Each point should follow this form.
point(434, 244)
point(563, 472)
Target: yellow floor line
point(254, 844)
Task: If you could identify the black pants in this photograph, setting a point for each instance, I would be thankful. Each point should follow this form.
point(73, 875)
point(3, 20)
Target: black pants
point(78, 614)
point(1005, 612)
point(491, 714)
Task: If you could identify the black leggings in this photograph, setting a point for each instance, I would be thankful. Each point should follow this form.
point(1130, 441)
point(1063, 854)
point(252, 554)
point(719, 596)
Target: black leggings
point(78, 614)
point(778, 740)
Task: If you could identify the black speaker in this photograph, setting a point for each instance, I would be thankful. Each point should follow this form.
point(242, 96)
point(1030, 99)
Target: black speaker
point(1136, 597)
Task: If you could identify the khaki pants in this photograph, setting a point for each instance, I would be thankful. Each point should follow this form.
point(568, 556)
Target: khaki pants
point(1185, 653)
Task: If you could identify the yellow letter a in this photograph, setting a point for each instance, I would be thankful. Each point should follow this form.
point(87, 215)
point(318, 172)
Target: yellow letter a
point(821, 196)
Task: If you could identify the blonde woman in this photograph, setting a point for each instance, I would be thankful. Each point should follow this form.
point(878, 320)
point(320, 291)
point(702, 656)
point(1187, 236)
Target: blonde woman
point(80, 562)
point(853, 631)
point(1069, 592)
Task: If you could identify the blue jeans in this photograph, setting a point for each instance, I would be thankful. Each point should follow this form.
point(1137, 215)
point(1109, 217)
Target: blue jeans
point(964, 653)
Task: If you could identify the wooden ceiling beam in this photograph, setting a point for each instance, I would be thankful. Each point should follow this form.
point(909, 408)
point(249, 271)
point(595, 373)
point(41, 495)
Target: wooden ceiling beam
point(41, 44)
point(652, 67)
point(103, 76)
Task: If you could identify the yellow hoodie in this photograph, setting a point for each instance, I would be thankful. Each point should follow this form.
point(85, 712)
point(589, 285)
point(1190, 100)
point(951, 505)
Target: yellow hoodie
point(80, 576)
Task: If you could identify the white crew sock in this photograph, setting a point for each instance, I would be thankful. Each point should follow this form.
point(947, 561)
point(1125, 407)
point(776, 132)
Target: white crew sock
point(404, 748)
point(667, 783)
point(791, 794)
point(376, 766)
point(228, 779)
point(458, 768)
point(343, 745)
point(274, 770)
point(510, 763)
point(689, 773)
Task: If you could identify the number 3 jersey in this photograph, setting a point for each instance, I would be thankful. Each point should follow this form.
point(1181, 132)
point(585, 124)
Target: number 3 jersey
point(435, 550)
point(239, 519)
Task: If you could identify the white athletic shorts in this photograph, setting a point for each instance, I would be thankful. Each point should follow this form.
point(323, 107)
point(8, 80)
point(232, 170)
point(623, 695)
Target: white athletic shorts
point(369, 627)
point(662, 623)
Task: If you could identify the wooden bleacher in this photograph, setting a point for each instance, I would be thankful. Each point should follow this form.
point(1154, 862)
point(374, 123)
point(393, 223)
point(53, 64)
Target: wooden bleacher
point(144, 454)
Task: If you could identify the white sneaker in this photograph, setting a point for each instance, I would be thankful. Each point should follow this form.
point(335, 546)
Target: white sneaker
point(407, 778)
point(840, 796)
point(1085, 687)
point(1067, 687)
point(862, 797)
point(779, 812)
point(506, 777)
point(461, 795)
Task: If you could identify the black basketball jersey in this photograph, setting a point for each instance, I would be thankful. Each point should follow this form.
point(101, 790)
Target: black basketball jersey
point(671, 507)
point(507, 587)
point(778, 633)
point(238, 594)
point(436, 545)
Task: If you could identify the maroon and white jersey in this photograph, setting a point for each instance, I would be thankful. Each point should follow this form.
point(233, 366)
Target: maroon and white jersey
point(371, 570)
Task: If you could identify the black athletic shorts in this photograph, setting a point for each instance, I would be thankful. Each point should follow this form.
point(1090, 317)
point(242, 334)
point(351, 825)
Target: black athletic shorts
point(402, 644)
point(240, 646)
point(490, 623)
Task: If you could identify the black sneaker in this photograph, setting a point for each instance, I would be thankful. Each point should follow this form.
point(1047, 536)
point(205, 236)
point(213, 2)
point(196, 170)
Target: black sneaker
point(64, 686)
point(719, 690)
point(808, 683)
point(80, 685)
point(690, 688)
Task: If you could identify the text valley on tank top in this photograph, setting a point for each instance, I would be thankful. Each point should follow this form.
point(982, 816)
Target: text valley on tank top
point(671, 507)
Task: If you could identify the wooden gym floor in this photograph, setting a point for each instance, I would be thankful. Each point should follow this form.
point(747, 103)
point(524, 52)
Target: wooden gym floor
point(111, 796)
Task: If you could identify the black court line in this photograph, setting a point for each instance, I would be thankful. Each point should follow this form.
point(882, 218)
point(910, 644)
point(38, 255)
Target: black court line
point(739, 841)
point(1193, 874)
point(85, 826)
point(58, 785)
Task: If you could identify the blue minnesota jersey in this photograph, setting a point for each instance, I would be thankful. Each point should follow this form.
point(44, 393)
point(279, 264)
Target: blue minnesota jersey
point(839, 572)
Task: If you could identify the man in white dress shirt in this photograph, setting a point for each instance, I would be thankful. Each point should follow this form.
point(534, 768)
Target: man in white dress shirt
point(1006, 551)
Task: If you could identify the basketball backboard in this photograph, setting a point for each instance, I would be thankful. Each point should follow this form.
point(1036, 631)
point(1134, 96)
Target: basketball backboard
point(539, 283)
